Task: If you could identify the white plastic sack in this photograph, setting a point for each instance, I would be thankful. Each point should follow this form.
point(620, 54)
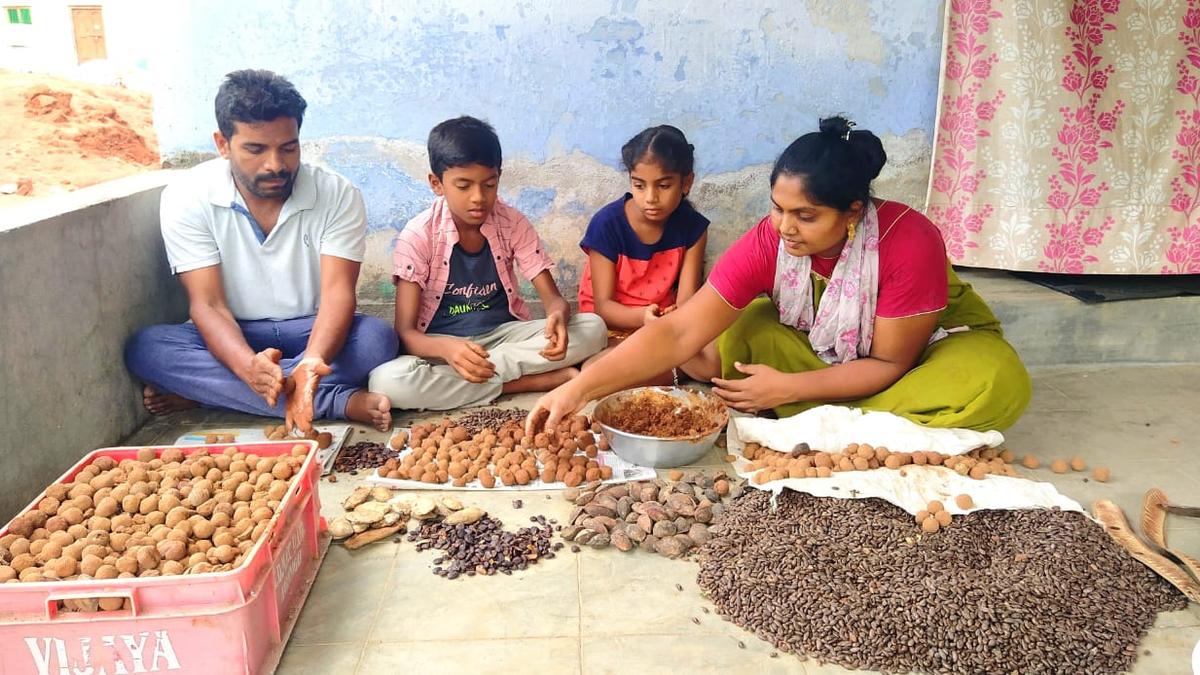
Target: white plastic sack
point(831, 428)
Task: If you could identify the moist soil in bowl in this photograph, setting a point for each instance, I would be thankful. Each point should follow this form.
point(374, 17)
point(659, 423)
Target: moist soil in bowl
point(660, 415)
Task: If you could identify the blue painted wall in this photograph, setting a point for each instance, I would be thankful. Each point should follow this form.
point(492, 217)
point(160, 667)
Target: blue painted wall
point(565, 83)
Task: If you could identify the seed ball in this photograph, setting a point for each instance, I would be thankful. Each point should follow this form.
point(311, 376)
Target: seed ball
point(64, 567)
point(964, 501)
point(1077, 464)
point(979, 471)
point(18, 546)
point(1007, 456)
point(31, 574)
point(1030, 462)
point(22, 561)
point(1059, 466)
point(7, 574)
point(921, 516)
point(73, 515)
point(91, 564)
point(943, 518)
point(935, 506)
point(224, 554)
point(930, 525)
point(1100, 474)
point(145, 454)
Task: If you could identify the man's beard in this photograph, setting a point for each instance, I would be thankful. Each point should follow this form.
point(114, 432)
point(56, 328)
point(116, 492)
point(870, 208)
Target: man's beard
point(256, 186)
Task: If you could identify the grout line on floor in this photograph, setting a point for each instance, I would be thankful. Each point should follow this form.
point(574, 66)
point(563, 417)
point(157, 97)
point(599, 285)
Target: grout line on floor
point(579, 617)
point(378, 610)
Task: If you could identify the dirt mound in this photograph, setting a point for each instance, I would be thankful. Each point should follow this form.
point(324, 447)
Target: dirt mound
point(61, 135)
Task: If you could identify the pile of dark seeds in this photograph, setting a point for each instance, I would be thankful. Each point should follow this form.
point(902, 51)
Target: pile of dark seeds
point(362, 455)
point(485, 547)
point(491, 418)
point(854, 582)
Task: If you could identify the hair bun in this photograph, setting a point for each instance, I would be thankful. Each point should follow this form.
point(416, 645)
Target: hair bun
point(869, 150)
point(836, 126)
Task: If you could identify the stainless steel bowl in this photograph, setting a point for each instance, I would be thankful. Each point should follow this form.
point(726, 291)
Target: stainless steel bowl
point(660, 453)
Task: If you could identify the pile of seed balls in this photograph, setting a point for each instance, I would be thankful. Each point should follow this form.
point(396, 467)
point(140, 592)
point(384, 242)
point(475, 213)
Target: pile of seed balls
point(857, 583)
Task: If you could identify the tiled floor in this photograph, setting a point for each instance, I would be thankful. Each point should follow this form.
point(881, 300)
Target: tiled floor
point(381, 610)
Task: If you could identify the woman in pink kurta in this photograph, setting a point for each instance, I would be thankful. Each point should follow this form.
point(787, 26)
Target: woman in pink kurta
point(861, 308)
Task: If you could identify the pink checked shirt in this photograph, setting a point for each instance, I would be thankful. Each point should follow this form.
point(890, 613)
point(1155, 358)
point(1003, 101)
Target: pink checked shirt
point(422, 254)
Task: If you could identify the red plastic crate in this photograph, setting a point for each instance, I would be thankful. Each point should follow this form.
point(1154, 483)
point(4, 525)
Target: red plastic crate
point(228, 622)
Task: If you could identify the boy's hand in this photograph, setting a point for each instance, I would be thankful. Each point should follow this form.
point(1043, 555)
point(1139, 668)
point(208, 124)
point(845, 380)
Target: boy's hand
point(556, 337)
point(469, 360)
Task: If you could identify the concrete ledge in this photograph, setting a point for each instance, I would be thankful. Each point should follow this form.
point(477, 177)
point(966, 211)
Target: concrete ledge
point(1049, 328)
point(78, 274)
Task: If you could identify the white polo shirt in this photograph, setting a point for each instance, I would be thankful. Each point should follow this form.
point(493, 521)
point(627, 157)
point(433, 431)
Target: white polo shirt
point(205, 222)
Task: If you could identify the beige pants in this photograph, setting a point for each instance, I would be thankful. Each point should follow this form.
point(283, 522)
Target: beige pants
point(415, 383)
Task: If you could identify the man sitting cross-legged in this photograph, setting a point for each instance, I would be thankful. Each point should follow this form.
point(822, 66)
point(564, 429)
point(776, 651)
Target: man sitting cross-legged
point(269, 251)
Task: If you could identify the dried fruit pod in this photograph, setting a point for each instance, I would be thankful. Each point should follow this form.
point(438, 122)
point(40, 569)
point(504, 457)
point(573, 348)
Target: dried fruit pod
point(671, 547)
point(621, 540)
point(423, 508)
point(466, 516)
point(360, 495)
point(371, 536)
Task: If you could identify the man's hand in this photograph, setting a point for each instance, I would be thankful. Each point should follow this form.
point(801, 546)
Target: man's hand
point(762, 389)
point(264, 375)
point(470, 360)
point(301, 387)
point(556, 337)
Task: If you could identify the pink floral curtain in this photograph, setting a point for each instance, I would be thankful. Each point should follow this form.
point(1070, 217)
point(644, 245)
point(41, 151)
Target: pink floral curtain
point(1068, 136)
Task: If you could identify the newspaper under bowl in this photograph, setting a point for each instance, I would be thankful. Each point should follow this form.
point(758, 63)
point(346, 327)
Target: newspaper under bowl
point(654, 451)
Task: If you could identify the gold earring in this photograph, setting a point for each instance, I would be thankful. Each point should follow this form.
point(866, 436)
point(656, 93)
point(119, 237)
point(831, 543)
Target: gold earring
point(850, 231)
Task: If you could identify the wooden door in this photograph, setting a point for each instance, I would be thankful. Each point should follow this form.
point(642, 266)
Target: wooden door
point(89, 33)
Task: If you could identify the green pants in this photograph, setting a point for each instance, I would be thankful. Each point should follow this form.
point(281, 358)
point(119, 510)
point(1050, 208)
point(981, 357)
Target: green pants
point(971, 380)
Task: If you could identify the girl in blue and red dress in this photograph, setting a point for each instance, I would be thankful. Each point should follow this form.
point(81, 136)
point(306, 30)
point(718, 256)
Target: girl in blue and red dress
point(646, 250)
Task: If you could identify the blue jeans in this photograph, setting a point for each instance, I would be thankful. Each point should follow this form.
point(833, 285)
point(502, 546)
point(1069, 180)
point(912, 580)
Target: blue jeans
point(175, 360)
